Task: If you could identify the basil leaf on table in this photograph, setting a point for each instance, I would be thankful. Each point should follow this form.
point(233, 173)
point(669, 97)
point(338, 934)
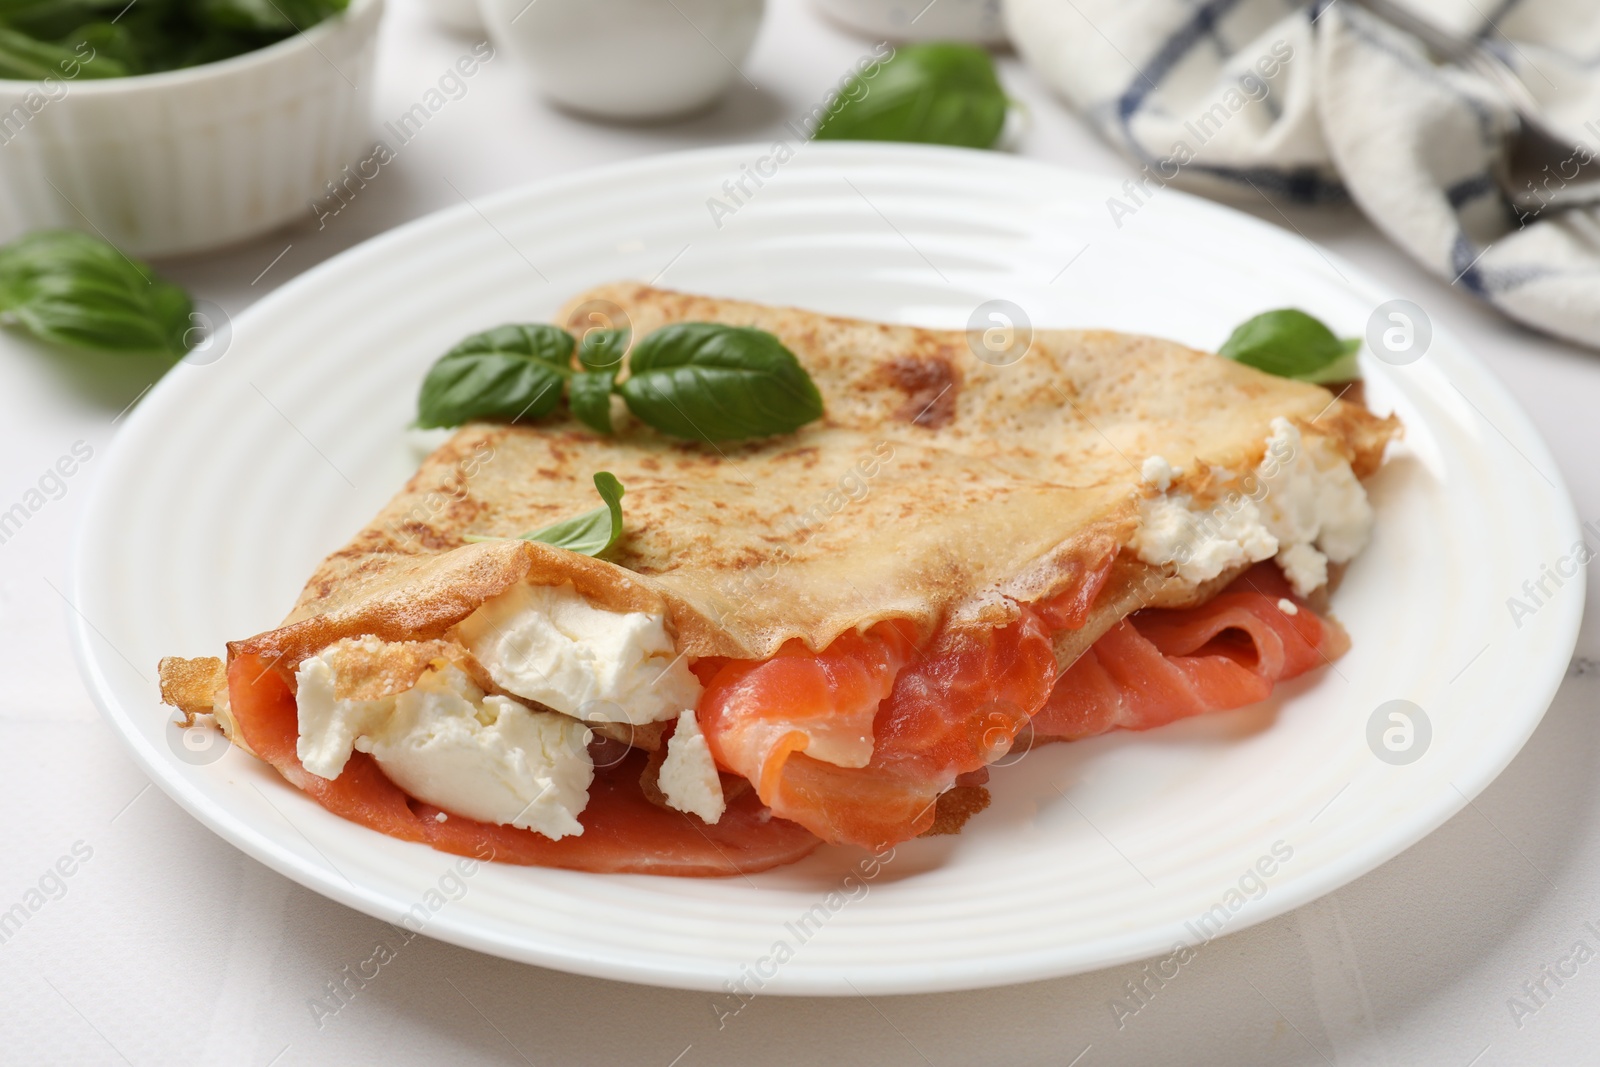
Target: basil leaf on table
point(589, 396)
point(73, 289)
point(937, 93)
point(1291, 344)
point(712, 382)
point(509, 373)
point(589, 534)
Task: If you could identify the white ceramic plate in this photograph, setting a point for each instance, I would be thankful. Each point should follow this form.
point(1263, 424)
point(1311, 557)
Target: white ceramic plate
point(232, 480)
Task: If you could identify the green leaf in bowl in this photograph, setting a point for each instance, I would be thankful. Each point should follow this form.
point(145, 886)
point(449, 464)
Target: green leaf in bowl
point(26, 58)
point(267, 16)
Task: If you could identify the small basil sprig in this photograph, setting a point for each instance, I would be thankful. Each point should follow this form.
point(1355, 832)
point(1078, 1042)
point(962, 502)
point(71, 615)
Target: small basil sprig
point(1292, 344)
point(589, 395)
point(936, 93)
point(73, 289)
point(509, 372)
point(589, 392)
point(699, 380)
point(589, 534)
point(603, 349)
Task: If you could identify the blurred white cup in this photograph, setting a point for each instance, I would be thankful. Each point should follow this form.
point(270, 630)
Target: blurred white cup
point(627, 59)
point(974, 21)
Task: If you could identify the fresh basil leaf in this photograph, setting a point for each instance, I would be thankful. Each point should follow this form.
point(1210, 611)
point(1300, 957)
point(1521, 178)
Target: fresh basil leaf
point(508, 373)
point(1347, 368)
point(1292, 344)
point(73, 289)
point(267, 16)
point(109, 44)
point(170, 34)
point(589, 395)
point(215, 45)
point(26, 59)
point(603, 349)
point(47, 20)
point(589, 534)
point(112, 38)
point(936, 93)
point(712, 382)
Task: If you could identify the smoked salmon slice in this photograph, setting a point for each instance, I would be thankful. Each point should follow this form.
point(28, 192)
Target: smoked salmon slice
point(622, 831)
point(926, 721)
point(1158, 666)
point(855, 743)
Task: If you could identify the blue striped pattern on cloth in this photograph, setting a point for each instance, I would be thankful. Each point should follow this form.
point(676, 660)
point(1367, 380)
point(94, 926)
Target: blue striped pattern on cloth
point(1318, 102)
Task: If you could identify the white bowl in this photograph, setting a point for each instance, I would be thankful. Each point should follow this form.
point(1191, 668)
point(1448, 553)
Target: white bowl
point(191, 159)
point(634, 60)
point(974, 21)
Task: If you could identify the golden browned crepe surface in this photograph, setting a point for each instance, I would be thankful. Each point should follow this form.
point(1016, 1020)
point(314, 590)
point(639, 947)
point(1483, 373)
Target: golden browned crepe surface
point(936, 486)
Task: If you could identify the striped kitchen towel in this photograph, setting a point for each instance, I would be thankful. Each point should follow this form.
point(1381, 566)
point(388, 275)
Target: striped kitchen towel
point(1321, 102)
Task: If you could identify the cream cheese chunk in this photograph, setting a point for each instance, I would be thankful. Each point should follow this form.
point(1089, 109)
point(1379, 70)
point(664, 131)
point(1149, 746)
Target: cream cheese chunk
point(1314, 505)
point(329, 726)
point(1158, 472)
point(1307, 509)
point(488, 758)
point(1201, 543)
point(551, 645)
point(445, 742)
point(689, 775)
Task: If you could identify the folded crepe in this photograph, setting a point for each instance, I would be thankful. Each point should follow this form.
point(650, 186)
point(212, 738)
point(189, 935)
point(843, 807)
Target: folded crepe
point(822, 636)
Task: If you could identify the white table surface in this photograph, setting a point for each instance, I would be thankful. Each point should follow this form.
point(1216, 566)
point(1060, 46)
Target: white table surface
point(169, 946)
